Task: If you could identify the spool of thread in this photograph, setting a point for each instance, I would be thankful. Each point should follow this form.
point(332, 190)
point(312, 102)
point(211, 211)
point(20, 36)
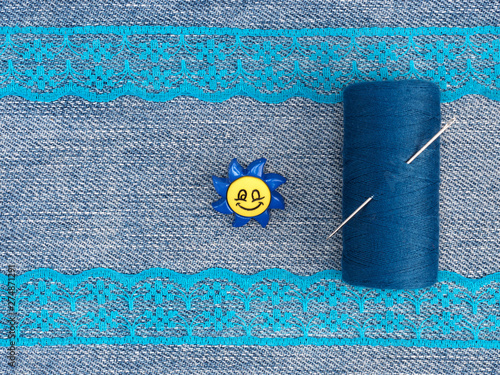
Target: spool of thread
point(393, 242)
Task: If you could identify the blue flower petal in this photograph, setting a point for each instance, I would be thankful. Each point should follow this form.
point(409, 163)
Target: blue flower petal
point(221, 185)
point(222, 206)
point(239, 221)
point(274, 180)
point(256, 168)
point(263, 218)
point(277, 201)
point(235, 170)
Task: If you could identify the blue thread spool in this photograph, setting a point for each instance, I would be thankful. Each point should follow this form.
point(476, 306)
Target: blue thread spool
point(393, 242)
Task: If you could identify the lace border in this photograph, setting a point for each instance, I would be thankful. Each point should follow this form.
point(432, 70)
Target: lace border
point(273, 307)
point(158, 63)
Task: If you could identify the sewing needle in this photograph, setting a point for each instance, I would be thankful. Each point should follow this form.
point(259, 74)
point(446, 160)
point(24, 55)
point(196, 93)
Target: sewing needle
point(443, 129)
point(351, 216)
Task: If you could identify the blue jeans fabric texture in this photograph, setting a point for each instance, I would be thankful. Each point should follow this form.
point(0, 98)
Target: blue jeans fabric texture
point(135, 192)
point(176, 146)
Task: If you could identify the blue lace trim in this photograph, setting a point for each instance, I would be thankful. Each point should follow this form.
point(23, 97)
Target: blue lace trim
point(214, 64)
point(273, 307)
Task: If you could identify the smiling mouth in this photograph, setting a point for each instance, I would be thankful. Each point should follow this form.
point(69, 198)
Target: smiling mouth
point(250, 209)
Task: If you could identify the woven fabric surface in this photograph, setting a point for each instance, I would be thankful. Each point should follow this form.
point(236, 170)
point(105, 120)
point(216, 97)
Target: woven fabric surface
point(71, 214)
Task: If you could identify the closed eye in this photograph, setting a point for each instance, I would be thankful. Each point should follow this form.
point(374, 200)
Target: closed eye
point(242, 195)
point(256, 196)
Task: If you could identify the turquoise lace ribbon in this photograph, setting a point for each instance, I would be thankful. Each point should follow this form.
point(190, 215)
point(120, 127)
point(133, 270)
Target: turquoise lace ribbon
point(273, 307)
point(160, 63)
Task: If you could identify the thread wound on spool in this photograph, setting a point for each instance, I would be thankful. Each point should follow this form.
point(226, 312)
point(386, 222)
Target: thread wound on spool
point(393, 243)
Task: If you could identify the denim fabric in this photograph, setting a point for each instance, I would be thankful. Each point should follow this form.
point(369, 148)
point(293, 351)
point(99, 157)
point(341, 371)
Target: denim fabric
point(253, 14)
point(248, 360)
point(126, 185)
point(94, 185)
point(164, 229)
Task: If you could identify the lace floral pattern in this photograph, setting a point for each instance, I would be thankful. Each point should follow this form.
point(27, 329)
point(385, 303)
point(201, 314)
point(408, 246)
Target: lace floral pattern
point(273, 307)
point(214, 64)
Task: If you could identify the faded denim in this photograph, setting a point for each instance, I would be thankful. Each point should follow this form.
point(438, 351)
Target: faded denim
point(126, 185)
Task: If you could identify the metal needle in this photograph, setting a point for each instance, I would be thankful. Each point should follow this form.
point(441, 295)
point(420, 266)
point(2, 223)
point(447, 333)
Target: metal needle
point(351, 216)
point(443, 129)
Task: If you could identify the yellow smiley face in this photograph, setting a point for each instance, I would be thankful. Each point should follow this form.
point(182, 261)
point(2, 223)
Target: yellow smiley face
point(248, 196)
